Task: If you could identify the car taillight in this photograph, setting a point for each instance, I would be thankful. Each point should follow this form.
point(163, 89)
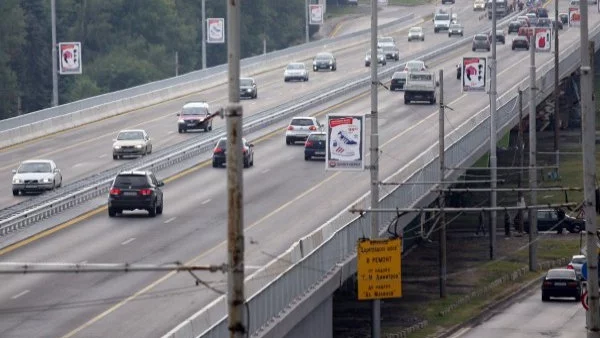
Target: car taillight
point(290, 128)
point(218, 150)
point(312, 128)
point(570, 266)
point(547, 283)
point(572, 284)
point(146, 192)
point(115, 191)
point(308, 144)
point(245, 151)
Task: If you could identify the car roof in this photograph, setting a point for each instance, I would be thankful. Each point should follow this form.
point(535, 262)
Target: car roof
point(400, 74)
point(247, 78)
point(304, 117)
point(131, 130)
point(560, 272)
point(135, 173)
point(577, 256)
point(296, 63)
point(195, 104)
point(324, 54)
point(37, 161)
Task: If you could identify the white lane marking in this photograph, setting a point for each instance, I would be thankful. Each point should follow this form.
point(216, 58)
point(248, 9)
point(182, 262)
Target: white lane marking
point(128, 241)
point(77, 165)
point(170, 132)
point(102, 156)
point(460, 332)
point(265, 171)
point(170, 220)
point(547, 196)
point(20, 294)
point(205, 202)
point(252, 267)
point(82, 262)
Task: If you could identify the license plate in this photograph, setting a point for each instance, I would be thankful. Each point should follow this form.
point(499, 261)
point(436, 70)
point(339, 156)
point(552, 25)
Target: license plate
point(560, 284)
point(319, 153)
point(129, 193)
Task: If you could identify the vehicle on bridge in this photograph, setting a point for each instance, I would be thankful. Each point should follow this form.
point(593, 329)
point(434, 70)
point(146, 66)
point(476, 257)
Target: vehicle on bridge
point(479, 5)
point(248, 88)
point(442, 20)
point(219, 157)
point(481, 41)
point(315, 145)
point(398, 81)
point(416, 33)
point(195, 116)
point(134, 142)
point(300, 127)
point(135, 190)
point(561, 283)
point(381, 59)
point(35, 176)
point(324, 60)
point(552, 220)
point(514, 26)
point(520, 42)
point(420, 86)
point(502, 8)
point(295, 71)
point(455, 29)
point(500, 36)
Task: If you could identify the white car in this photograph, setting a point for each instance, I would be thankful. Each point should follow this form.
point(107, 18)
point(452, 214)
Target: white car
point(36, 176)
point(295, 71)
point(134, 142)
point(576, 263)
point(385, 41)
point(415, 66)
point(300, 127)
point(416, 33)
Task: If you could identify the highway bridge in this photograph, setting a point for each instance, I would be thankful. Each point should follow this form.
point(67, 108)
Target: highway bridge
point(286, 198)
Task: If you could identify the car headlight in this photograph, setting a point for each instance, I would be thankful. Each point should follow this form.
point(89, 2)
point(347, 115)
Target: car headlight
point(249, 90)
point(139, 146)
point(16, 180)
point(180, 121)
point(117, 147)
point(314, 63)
point(46, 180)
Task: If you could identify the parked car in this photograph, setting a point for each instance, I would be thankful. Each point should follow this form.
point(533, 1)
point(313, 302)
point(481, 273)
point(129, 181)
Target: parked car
point(552, 220)
point(481, 41)
point(219, 157)
point(455, 29)
point(514, 26)
point(134, 142)
point(35, 176)
point(416, 33)
point(519, 42)
point(135, 190)
point(499, 36)
point(247, 88)
point(295, 71)
point(324, 61)
point(576, 264)
point(315, 145)
point(380, 58)
point(195, 116)
point(300, 127)
point(398, 81)
point(561, 283)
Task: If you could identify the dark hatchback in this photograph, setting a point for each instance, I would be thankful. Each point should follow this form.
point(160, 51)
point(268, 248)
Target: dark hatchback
point(135, 190)
point(398, 81)
point(561, 283)
point(520, 42)
point(324, 61)
point(248, 88)
point(514, 26)
point(315, 145)
point(220, 157)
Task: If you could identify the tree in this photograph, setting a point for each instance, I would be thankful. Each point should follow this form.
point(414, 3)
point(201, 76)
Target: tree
point(12, 38)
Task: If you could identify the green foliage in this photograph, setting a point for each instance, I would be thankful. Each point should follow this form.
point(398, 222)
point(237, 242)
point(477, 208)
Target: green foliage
point(125, 43)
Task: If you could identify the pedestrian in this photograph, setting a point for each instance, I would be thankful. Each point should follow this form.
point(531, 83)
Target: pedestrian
point(481, 225)
point(506, 224)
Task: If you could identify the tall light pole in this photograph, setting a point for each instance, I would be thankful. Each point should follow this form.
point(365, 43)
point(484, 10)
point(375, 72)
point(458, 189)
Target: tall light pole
point(235, 183)
point(54, 55)
point(306, 18)
point(556, 88)
point(532, 160)
point(203, 34)
point(493, 141)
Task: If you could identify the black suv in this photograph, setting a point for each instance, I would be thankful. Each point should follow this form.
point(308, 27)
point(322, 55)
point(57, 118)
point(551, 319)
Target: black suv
point(315, 145)
point(552, 220)
point(135, 190)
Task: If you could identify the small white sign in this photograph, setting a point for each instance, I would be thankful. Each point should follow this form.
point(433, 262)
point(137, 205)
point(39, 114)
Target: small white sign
point(345, 143)
point(70, 58)
point(474, 74)
point(574, 16)
point(543, 39)
point(216, 30)
point(316, 14)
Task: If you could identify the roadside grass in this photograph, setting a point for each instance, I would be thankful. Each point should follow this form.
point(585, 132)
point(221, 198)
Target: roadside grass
point(337, 11)
point(408, 2)
point(552, 248)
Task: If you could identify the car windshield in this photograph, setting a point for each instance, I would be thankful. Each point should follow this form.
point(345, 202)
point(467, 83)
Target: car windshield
point(35, 167)
point(295, 66)
point(245, 82)
point(195, 111)
point(302, 122)
point(133, 181)
point(316, 137)
point(415, 30)
point(578, 260)
point(455, 26)
point(561, 274)
point(323, 57)
point(399, 75)
point(442, 17)
point(386, 40)
point(130, 135)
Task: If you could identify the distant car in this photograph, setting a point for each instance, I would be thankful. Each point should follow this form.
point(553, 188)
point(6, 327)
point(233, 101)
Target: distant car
point(481, 41)
point(391, 52)
point(479, 5)
point(36, 176)
point(499, 36)
point(315, 145)
point(416, 33)
point(514, 26)
point(385, 41)
point(557, 24)
point(564, 18)
point(300, 127)
point(574, 3)
point(448, 1)
point(544, 22)
point(324, 61)
point(454, 18)
point(552, 220)
point(380, 58)
point(455, 29)
point(219, 156)
point(533, 19)
point(576, 264)
point(561, 283)
point(542, 12)
point(135, 190)
point(352, 2)
point(524, 18)
point(520, 42)
point(247, 88)
point(415, 66)
point(398, 81)
point(195, 116)
point(133, 142)
point(295, 71)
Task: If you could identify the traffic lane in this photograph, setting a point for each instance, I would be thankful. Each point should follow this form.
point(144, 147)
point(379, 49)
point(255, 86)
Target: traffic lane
point(531, 318)
point(393, 104)
point(76, 154)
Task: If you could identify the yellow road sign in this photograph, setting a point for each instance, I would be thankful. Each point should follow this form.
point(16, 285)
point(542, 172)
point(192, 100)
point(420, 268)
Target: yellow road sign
point(379, 269)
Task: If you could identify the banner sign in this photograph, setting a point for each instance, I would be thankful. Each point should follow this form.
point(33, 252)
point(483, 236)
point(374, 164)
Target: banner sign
point(574, 16)
point(216, 30)
point(379, 268)
point(316, 14)
point(543, 39)
point(346, 136)
point(474, 74)
point(70, 58)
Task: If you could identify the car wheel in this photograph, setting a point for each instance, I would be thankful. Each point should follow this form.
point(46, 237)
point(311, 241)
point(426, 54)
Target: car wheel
point(152, 210)
point(288, 141)
point(256, 95)
point(545, 297)
point(422, 39)
point(306, 157)
point(112, 212)
point(406, 101)
point(513, 47)
point(246, 163)
point(115, 157)
point(578, 297)
point(15, 192)
point(252, 161)
point(159, 210)
point(285, 79)
point(576, 228)
point(150, 151)
point(449, 35)
point(306, 79)
point(473, 49)
point(215, 164)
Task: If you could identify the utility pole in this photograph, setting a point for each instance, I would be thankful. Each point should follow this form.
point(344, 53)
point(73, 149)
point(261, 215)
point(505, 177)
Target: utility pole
point(235, 183)
point(176, 63)
point(556, 90)
point(532, 161)
point(442, 202)
point(588, 126)
point(374, 167)
point(54, 55)
point(306, 19)
point(493, 141)
point(522, 160)
point(203, 34)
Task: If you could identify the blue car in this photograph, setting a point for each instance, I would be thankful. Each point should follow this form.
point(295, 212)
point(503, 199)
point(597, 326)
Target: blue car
point(315, 145)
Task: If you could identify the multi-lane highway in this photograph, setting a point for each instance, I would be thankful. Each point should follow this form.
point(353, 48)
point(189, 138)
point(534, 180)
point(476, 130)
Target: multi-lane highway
point(532, 318)
point(285, 198)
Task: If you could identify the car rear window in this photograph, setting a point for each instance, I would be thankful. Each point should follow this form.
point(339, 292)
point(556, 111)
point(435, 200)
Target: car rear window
point(481, 37)
point(194, 111)
point(222, 144)
point(578, 260)
point(561, 274)
point(302, 122)
point(399, 75)
point(317, 137)
point(134, 181)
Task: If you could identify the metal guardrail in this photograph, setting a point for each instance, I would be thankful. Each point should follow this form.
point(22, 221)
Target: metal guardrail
point(298, 262)
point(28, 212)
point(203, 74)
